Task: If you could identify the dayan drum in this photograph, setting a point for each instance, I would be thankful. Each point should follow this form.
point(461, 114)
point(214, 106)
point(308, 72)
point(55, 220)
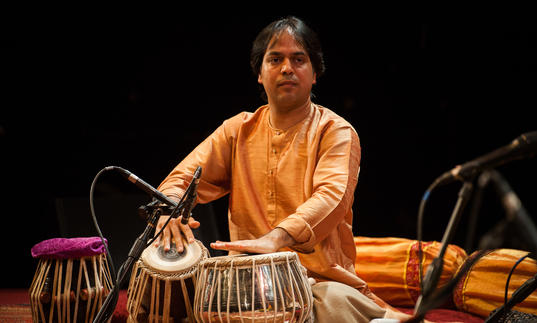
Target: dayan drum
point(162, 284)
point(72, 280)
point(255, 288)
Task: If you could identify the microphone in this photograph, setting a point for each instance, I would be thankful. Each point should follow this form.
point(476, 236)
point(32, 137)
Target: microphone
point(191, 196)
point(143, 185)
point(523, 146)
point(141, 242)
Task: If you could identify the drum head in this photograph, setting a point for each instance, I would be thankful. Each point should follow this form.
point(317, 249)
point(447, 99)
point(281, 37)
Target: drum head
point(172, 261)
point(250, 259)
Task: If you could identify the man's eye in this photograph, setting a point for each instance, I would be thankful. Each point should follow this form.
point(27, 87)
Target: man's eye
point(274, 60)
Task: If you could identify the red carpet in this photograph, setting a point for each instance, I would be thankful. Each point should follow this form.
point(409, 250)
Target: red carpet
point(15, 313)
point(445, 315)
point(15, 308)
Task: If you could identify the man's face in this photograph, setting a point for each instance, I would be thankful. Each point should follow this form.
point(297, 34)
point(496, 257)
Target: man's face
point(286, 73)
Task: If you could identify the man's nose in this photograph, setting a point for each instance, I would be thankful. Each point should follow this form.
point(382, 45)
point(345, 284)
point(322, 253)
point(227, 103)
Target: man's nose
point(287, 67)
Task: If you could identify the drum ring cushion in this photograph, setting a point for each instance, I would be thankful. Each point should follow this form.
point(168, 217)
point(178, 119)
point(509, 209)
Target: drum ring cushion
point(67, 248)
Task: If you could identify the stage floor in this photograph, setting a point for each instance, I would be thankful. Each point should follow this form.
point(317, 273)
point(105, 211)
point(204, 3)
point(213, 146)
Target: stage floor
point(15, 308)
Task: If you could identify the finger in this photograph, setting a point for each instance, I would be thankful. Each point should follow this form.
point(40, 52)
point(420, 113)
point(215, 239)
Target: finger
point(176, 235)
point(159, 226)
point(156, 243)
point(187, 231)
point(193, 223)
point(219, 245)
point(230, 246)
point(166, 233)
point(248, 246)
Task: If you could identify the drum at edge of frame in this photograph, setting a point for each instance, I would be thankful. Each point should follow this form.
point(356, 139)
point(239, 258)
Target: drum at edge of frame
point(72, 280)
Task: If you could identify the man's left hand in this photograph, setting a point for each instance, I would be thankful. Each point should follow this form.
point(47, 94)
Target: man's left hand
point(269, 243)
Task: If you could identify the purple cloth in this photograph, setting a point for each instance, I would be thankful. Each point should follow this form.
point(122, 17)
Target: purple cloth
point(67, 248)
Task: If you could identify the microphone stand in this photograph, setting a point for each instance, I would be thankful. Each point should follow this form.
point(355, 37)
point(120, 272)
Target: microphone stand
point(517, 215)
point(518, 296)
point(441, 294)
point(482, 183)
point(435, 268)
point(134, 254)
point(515, 211)
point(141, 242)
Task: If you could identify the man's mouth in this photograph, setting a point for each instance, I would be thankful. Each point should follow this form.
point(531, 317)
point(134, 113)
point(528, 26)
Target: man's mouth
point(287, 83)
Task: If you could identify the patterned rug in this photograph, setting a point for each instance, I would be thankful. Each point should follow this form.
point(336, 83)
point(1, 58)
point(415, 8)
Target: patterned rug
point(15, 308)
point(15, 313)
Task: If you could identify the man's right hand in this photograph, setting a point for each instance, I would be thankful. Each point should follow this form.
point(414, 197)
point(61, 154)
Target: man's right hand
point(174, 232)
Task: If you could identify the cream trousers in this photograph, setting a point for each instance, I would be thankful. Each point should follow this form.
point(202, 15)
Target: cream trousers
point(335, 302)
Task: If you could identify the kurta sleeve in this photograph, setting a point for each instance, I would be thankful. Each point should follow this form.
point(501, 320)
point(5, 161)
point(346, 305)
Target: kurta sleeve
point(214, 156)
point(334, 181)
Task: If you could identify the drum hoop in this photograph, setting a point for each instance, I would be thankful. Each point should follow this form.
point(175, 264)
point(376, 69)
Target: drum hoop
point(249, 260)
point(176, 275)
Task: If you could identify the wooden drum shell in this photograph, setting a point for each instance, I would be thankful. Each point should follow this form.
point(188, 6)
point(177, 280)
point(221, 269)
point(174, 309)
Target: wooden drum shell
point(163, 296)
point(69, 290)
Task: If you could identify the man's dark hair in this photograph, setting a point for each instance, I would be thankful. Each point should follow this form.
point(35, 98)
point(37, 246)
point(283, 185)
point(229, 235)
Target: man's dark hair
point(303, 34)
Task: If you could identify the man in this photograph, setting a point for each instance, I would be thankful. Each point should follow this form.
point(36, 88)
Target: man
point(291, 168)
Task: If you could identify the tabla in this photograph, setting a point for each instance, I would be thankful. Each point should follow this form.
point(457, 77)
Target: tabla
point(68, 289)
point(162, 284)
point(253, 288)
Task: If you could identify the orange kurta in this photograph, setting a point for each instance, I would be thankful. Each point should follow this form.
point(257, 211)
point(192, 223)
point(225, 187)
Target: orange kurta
point(301, 180)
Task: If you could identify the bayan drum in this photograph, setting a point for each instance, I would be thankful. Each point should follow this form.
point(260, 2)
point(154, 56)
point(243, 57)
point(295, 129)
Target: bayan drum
point(72, 280)
point(253, 288)
point(162, 284)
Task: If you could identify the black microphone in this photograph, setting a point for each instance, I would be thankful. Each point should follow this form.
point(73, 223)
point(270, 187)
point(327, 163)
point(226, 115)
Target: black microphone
point(144, 186)
point(191, 196)
point(523, 146)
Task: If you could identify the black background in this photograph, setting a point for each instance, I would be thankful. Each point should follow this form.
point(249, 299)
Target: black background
point(83, 91)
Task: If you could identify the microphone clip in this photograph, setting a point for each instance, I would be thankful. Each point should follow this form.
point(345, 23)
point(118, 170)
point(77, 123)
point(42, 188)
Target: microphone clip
point(146, 211)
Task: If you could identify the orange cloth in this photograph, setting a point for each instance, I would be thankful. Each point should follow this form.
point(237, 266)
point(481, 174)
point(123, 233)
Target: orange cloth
point(301, 180)
point(390, 266)
point(482, 288)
